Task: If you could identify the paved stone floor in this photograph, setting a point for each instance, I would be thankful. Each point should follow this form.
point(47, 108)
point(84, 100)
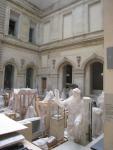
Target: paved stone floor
point(70, 146)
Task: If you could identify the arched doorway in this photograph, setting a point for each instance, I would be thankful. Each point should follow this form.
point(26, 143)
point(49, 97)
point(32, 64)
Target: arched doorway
point(65, 75)
point(93, 78)
point(29, 77)
point(9, 76)
point(96, 75)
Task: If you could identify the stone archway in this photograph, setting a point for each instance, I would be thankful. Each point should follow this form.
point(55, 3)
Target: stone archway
point(9, 76)
point(96, 77)
point(65, 75)
point(93, 77)
point(31, 75)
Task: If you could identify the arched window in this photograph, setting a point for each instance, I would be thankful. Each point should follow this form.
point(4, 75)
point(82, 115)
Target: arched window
point(29, 78)
point(9, 77)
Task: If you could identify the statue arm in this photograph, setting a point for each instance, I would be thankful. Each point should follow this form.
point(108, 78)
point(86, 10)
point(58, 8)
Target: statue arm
point(59, 102)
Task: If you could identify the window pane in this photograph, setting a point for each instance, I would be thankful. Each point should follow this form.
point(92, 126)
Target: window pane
point(12, 25)
point(31, 33)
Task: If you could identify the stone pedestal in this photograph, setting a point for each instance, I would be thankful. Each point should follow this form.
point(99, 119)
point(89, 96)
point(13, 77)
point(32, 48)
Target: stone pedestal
point(108, 122)
point(87, 135)
point(27, 133)
point(57, 128)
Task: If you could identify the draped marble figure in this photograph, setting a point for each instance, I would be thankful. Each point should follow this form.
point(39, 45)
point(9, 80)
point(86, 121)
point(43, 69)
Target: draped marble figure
point(74, 105)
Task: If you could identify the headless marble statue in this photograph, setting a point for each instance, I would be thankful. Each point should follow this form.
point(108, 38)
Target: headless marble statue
point(74, 106)
point(98, 116)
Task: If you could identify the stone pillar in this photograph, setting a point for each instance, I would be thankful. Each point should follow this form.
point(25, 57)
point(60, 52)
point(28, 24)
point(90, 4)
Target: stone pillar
point(108, 75)
point(87, 136)
point(1, 70)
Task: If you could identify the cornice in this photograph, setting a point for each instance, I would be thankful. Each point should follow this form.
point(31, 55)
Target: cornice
point(78, 41)
point(27, 6)
point(19, 43)
point(43, 13)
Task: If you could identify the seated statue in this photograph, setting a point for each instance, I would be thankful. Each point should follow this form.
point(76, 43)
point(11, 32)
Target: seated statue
point(74, 105)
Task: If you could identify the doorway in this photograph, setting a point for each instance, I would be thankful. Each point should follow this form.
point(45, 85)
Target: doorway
point(9, 77)
point(96, 71)
point(44, 84)
point(67, 76)
point(29, 78)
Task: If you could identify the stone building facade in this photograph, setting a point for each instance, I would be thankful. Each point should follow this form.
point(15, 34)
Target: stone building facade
point(52, 48)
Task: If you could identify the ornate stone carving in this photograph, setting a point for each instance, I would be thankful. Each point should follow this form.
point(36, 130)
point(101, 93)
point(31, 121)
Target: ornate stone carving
point(53, 62)
point(22, 63)
point(78, 60)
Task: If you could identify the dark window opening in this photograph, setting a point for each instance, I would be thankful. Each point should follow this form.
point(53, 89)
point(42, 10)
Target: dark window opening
point(31, 35)
point(12, 27)
point(44, 84)
point(67, 76)
point(9, 77)
point(97, 76)
point(29, 78)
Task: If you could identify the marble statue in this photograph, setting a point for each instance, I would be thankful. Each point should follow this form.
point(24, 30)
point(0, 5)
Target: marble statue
point(49, 96)
point(98, 117)
point(74, 105)
point(31, 112)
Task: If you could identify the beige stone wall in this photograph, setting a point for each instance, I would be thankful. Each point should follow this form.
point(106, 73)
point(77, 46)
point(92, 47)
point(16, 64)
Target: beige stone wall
point(25, 18)
point(80, 18)
point(69, 54)
point(20, 58)
point(108, 78)
point(59, 40)
point(2, 14)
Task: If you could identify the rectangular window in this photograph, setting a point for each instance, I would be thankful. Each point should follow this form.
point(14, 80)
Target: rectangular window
point(44, 84)
point(13, 23)
point(31, 35)
point(12, 27)
point(46, 35)
point(67, 26)
point(95, 17)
